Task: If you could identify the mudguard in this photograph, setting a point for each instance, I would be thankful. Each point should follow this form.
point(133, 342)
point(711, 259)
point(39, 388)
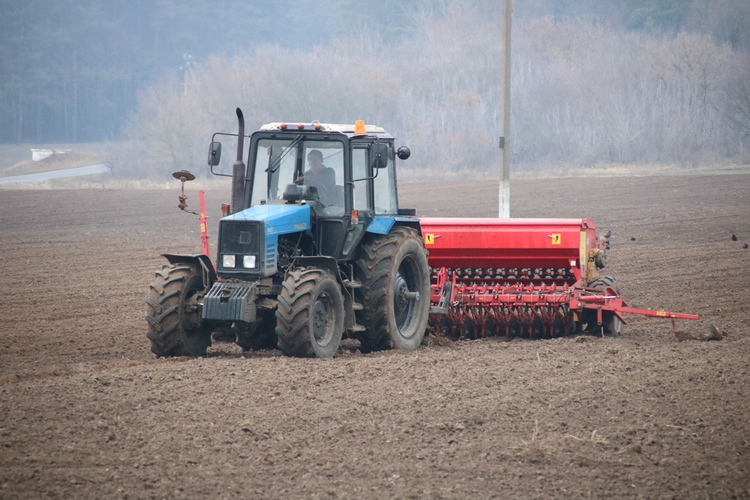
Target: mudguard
point(384, 224)
point(201, 261)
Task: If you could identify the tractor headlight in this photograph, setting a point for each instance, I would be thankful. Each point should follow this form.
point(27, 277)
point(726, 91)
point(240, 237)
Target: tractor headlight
point(248, 261)
point(227, 261)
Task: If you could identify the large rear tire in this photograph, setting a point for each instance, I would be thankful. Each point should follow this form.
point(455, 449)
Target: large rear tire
point(173, 313)
point(395, 294)
point(310, 317)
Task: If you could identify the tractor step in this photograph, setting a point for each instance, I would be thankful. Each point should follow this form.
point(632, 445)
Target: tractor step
point(358, 328)
point(357, 306)
point(352, 284)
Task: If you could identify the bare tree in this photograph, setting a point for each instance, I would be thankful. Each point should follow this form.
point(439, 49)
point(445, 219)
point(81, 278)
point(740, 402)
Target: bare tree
point(735, 104)
point(584, 94)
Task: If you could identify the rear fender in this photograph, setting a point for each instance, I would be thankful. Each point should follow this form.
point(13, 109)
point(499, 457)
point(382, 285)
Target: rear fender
point(409, 222)
point(199, 261)
point(384, 224)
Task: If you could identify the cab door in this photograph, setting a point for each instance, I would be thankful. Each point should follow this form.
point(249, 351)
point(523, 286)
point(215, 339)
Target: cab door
point(362, 192)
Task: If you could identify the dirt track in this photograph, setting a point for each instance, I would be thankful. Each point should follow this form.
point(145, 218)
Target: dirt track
point(86, 410)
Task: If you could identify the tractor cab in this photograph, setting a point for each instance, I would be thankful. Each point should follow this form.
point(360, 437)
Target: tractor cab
point(315, 188)
point(334, 168)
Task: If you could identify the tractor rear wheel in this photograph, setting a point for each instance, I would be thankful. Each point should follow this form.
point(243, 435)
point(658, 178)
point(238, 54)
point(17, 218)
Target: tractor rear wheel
point(258, 335)
point(310, 317)
point(173, 314)
point(395, 276)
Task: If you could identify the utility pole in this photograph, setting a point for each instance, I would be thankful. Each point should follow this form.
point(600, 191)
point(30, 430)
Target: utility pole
point(188, 63)
point(505, 113)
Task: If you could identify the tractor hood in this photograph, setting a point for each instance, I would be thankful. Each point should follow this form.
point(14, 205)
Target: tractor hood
point(277, 219)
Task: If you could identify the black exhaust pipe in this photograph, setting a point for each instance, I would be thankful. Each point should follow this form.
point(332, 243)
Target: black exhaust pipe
point(238, 168)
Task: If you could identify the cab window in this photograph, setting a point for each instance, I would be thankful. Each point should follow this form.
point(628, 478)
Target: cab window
point(385, 188)
point(360, 172)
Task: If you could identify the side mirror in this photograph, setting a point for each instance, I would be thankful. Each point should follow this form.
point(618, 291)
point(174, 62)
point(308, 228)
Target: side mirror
point(403, 153)
point(379, 155)
point(214, 154)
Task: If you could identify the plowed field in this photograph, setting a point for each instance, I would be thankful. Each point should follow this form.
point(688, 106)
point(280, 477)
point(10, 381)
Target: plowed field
point(86, 411)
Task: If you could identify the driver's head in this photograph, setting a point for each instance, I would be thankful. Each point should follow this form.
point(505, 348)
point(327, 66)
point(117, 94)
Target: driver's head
point(315, 159)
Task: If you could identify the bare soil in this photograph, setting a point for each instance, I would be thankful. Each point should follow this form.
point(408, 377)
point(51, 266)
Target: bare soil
point(86, 411)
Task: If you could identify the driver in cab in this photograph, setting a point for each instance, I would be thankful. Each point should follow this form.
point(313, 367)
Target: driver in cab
point(318, 175)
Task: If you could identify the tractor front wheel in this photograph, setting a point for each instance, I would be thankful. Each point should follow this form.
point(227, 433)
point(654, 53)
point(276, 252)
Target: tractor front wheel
point(173, 313)
point(310, 316)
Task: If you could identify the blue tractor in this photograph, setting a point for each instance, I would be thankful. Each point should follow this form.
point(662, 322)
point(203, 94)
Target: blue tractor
point(314, 247)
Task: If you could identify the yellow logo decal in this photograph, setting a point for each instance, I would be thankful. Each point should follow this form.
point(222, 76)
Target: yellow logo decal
point(429, 239)
point(556, 239)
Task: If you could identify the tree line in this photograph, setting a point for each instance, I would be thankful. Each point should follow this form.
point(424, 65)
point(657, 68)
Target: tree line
point(594, 81)
point(584, 93)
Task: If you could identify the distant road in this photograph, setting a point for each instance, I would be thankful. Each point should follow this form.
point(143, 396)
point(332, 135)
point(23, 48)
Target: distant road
point(55, 174)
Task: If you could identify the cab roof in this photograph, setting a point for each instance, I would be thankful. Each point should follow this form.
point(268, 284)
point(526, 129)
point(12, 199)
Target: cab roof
point(346, 129)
